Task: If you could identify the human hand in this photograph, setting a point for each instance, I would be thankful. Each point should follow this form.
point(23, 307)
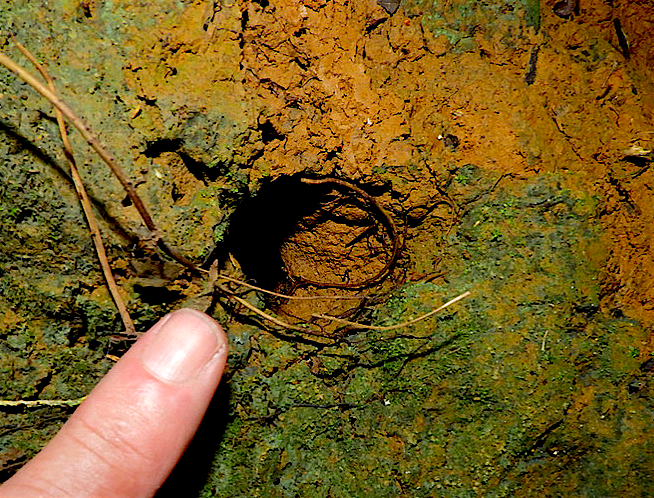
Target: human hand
point(128, 434)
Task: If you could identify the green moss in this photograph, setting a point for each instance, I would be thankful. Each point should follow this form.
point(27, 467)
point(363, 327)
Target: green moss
point(532, 13)
point(99, 316)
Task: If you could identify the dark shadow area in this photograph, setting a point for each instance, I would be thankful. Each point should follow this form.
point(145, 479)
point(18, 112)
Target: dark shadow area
point(157, 147)
point(261, 224)
point(190, 474)
point(156, 294)
point(269, 133)
point(198, 169)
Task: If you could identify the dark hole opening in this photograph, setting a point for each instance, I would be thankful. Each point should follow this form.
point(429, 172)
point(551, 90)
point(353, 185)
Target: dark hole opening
point(269, 133)
point(261, 224)
point(153, 294)
point(155, 148)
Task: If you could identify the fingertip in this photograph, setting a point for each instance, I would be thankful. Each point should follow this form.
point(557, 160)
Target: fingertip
point(183, 346)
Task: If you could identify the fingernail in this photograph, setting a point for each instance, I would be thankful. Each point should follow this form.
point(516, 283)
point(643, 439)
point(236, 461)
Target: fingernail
point(185, 343)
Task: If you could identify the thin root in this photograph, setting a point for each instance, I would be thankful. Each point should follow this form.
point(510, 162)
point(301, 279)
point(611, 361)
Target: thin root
point(390, 225)
point(396, 326)
point(84, 199)
point(261, 313)
point(285, 296)
point(93, 141)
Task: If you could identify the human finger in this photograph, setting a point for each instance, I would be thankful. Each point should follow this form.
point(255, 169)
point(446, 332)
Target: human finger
point(128, 434)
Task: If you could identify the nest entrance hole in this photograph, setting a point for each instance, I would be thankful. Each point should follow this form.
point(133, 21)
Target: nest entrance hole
point(293, 235)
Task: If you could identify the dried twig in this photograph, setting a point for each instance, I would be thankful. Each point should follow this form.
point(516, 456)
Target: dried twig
point(93, 141)
point(396, 326)
point(84, 199)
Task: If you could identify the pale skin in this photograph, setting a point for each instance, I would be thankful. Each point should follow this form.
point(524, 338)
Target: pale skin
point(126, 437)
